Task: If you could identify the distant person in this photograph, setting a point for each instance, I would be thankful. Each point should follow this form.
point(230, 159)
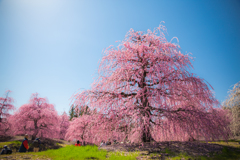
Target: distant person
point(78, 143)
point(108, 142)
point(24, 146)
point(6, 150)
point(102, 143)
point(36, 145)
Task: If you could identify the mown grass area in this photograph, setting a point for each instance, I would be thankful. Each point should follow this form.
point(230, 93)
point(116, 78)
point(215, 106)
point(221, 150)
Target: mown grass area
point(70, 152)
point(23, 156)
point(73, 153)
point(226, 154)
point(85, 152)
point(229, 143)
point(8, 143)
point(92, 152)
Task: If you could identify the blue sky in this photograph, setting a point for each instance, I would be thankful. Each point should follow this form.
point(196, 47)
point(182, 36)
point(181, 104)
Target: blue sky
point(53, 46)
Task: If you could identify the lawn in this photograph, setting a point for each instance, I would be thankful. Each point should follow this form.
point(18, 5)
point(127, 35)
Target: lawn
point(8, 143)
point(73, 153)
point(86, 152)
point(229, 151)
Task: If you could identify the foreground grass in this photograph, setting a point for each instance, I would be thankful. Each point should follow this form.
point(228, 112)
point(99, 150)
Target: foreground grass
point(226, 153)
point(228, 144)
point(92, 152)
point(86, 152)
point(72, 153)
point(8, 143)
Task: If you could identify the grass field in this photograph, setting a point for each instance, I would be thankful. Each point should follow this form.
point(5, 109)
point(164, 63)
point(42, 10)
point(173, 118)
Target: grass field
point(225, 155)
point(70, 152)
point(86, 152)
point(8, 143)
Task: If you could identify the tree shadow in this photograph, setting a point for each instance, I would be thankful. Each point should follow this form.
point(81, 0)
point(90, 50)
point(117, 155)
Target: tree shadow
point(171, 148)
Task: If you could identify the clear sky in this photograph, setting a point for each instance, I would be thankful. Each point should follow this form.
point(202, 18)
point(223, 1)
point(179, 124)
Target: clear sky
point(53, 46)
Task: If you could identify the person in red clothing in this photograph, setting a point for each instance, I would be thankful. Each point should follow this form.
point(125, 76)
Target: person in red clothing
point(78, 143)
point(24, 146)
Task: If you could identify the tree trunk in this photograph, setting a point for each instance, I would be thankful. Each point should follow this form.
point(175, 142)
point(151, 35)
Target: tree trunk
point(35, 131)
point(146, 135)
point(34, 136)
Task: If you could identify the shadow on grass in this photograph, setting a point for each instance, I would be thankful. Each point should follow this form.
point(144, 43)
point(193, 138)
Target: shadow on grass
point(163, 150)
point(186, 150)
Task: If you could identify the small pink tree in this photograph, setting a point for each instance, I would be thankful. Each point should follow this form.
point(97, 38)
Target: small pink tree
point(88, 129)
point(5, 107)
point(37, 118)
point(64, 124)
point(147, 82)
point(80, 129)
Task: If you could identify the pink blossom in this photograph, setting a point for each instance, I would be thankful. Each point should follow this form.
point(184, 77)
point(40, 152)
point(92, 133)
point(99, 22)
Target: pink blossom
point(36, 118)
point(145, 91)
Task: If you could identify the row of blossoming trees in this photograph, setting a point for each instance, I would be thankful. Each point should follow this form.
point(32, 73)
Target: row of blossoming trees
point(144, 92)
point(37, 118)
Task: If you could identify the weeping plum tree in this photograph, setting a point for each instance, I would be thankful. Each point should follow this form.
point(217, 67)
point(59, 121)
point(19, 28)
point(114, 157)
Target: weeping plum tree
point(37, 118)
point(80, 128)
point(145, 83)
point(232, 103)
point(88, 129)
point(5, 107)
point(64, 124)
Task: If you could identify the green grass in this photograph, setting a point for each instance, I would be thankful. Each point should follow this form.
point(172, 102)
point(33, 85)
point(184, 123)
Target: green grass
point(73, 152)
point(17, 143)
point(181, 155)
point(92, 152)
point(225, 155)
point(122, 155)
point(229, 143)
point(168, 151)
point(85, 152)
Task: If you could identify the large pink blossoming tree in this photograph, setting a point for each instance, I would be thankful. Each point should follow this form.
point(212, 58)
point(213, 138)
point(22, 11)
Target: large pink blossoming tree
point(37, 118)
point(145, 88)
point(5, 107)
